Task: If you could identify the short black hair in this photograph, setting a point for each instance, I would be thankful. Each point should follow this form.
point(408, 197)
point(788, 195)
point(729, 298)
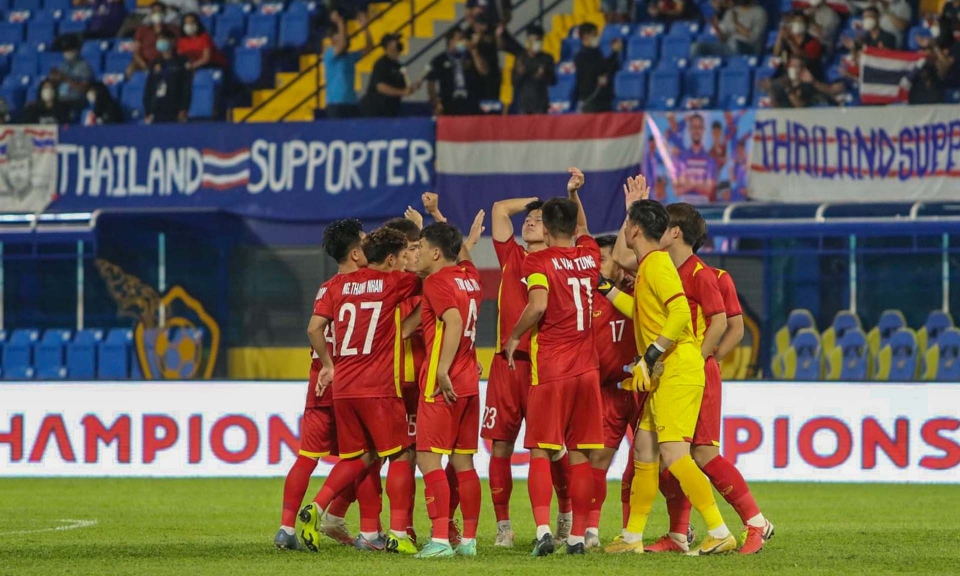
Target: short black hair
point(606, 240)
point(560, 216)
point(533, 205)
point(535, 30)
point(388, 38)
point(586, 29)
point(342, 236)
point(444, 236)
point(689, 220)
point(651, 216)
point(382, 243)
point(871, 9)
point(452, 33)
point(716, 124)
point(406, 227)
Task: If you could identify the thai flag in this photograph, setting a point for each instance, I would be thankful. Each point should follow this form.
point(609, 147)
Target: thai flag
point(44, 141)
point(484, 159)
point(226, 170)
point(886, 75)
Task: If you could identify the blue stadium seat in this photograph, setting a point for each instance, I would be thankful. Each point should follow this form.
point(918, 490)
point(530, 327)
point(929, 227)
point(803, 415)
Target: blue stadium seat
point(230, 29)
point(248, 64)
point(41, 32)
point(853, 355)
point(951, 96)
point(52, 5)
point(81, 359)
point(804, 361)
point(742, 62)
point(630, 90)
point(48, 354)
point(31, 5)
point(235, 9)
point(842, 322)
point(33, 89)
point(733, 91)
point(639, 48)
point(48, 61)
point(131, 98)
point(301, 7)
point(203, 103)
point(684, 28)
point(75, 22)
point(676, 49)
point(11, 33)
point(24, 63)
point(209, 23)
point(294, 30)
point(121, 335)
point(262, 28)
point(92, 51)
point(114, 82)
point(569, 48)
point(89, 335)
point(664, 90)
point(14, 97)
point(561, 95)
point(937, 322)
point(117, 62)
point(700, 83)
point(904, 357)
point(270, 8)
point(114, 361)
point(17, 354)
point(209, 9)
point(614, 31)
point(948, 360)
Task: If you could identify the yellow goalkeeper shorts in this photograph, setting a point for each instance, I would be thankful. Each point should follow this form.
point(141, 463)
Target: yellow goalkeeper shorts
point(673, 407)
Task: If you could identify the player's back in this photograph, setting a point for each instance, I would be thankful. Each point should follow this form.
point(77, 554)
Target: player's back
point(728, 290)
point(700, 286)
point(562, 345)
point(614, 341)
point(512, 293)
point(658, 283)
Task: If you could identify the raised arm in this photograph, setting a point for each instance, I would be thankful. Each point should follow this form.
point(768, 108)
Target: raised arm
point(431, 204)
point(472, 238)
point(502, 212)
point(573, 192)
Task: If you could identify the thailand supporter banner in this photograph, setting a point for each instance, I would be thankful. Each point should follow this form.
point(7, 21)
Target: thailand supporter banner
point(28, 167)
point(856, 154)
point(835, 432)
point(313, 171)
point(699, 157)
point(484, 159)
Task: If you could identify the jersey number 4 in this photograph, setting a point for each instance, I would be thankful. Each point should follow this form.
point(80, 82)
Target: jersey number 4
point(584, 316)
point(349, 309)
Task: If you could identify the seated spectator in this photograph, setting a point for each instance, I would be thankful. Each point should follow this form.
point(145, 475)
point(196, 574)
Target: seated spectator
point(823, 23)
point(108, 17)
point(742, 30)
point(796, 89)
point(169, 89)
point(872, 35)
point(534, 71)
point(340, 68)
point(455, 78)
point(895, 16)
point(388, 82)
point(670, 10)
point(593, 84)
point(178, 9)
point(145, 39)
point(794, 39)
point(480, 33)
point(927, 88)
point(615, 10)
point(75, 74)
point(47, 109)
point(101, 107)
point(197, 47)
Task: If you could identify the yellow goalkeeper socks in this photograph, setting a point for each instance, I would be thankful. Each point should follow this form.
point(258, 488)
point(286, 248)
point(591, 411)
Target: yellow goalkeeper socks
point(697, 488)
point(643, 491)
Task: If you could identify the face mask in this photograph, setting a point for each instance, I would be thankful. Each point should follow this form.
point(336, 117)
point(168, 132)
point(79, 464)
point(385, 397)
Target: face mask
point(189, 29)
point(47, 94)
point(163, 45)
point(156, 18)
point(70, 55)
point(92, 98)
point(460, 46)
point(869, 24)
point(935, 32)
point(593, 42)
point(793, 74)
point(797, 28)
point(815, 3)
point(535, 45)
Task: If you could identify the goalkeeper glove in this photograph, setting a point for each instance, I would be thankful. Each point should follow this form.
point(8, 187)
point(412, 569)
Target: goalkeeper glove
point(648, 369)
point(604, 285)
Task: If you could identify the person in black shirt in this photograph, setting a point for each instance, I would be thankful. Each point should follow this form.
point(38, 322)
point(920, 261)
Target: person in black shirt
point(594, 80)
point(388, 83)
point(873, 36)
point(534, 71)
point(47, 109)
point(169, 89)
point(480, 33)
point(455, 78)
point(101, 107)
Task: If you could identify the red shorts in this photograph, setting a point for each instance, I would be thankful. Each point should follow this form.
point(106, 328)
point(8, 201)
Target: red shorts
point(371, 425)
point(506, 399)
point(411, 397)
point(707, 432)
point(567, 413)
point(449, 428)
point(620, 413)
point(318, 432)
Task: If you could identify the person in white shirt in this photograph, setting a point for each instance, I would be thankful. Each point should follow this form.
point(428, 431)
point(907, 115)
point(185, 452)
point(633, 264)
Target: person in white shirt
point(824, 23)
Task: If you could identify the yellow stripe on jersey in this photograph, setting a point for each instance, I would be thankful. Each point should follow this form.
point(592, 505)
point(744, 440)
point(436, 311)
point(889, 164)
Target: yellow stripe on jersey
point(534, 347)
point(537, 279)
point(398, 351)
point(409, 370)
point(434, 362)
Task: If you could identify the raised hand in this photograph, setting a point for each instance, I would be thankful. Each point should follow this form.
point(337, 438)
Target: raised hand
point(636, 189)
point(412, 215)
point(476, 230)
point(576, 179)
point(431, 201)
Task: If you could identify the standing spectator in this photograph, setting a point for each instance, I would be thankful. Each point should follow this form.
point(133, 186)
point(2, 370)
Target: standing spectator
point(895, 18)
point(823, 23)
point(177, 9)
point(794, 39)
point(671, 10)
point(742, 30)
point(388, 81)
point(534, 71)
point(47, 109)
point(950, 19)
point(927, 87)
point(108, 17)
point(169, 89)
point(76, 74)
point(101, 107)
point(480, 34)
point(594, 79)
point(455, 78)
point(873, 36)
point(145, 39)
point(196, 46)
point(946, 59)
point(339, 65)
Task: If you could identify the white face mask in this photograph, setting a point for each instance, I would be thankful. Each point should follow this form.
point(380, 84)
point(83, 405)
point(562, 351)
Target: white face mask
point(47, 94)
point(935, 32)
point(797, 28)
point(815, 3)
point(869, 24)
point(536, 46)
point(92, 98)
point(189, 29)
point(793, 74)
point(156, 18)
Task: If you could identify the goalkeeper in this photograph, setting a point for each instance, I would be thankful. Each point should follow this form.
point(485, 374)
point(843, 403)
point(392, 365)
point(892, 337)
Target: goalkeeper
point(671, 369)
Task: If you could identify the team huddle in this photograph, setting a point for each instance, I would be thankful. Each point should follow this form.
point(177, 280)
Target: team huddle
point(595, 337)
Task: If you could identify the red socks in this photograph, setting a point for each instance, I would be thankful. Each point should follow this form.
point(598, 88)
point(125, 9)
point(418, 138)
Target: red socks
point(625, 489)
point(344, 473)
point(454, 488)
point(501, 486)
point(560, 472)
point(678, 505)
point(437, 492)
point(400, 490)
point(581, 496)
point(413, 495)
point(370, 498)
point(469, 495)
point(298, 480)
point(541, 491)
point(731, 485)
point(343, 500)
point(599, 495)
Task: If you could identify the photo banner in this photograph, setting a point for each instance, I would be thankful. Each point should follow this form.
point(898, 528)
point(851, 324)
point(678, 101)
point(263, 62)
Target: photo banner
point(313, 171)
point(863, 154)
point(700, 156)
point(28, 168)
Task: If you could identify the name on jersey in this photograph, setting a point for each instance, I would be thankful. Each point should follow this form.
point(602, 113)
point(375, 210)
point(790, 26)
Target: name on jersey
point(467, 284)
point(361, 288)
point(580, 263)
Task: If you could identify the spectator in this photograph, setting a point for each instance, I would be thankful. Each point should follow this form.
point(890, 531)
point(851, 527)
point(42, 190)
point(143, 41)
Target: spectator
point(794, 39)
point(350, 9)
point(946, 60)
point(927, 87)
point(895, 18)
point(615, 11)
point(823, 23)
point(196, 46)
point(479, 33)
point(796, 89)
point(534, 71)
point(742, 30)
point(455, 78)
point(47, 109)
point(108, 17)
point(671, 10)
point(75, 74)
point(492, 12)
point(145, 39)
point(873, 36)
point(388, 81)
point(950, 19)
point(169, 89)
point(593, 85)
point(176, 9)
point(339, 65)
point(101, 107)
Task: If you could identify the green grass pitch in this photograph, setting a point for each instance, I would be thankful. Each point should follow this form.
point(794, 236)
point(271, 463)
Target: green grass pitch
point(225, 527)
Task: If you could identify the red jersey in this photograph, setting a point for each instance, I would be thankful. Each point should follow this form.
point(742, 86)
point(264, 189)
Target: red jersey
point(615, 342)
point(451, 287)
point(327, 399)
point(413, 352)
point(512, 296)
point(561, 345)
point(703, 294)
point(731, 302)
point(364, 308)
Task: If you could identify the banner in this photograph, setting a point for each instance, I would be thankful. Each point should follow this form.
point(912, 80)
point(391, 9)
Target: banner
point(28, 167)
point(856, 154)
point(698, 157)
point(313, 171)
point(483, 159)
point(834, 432)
